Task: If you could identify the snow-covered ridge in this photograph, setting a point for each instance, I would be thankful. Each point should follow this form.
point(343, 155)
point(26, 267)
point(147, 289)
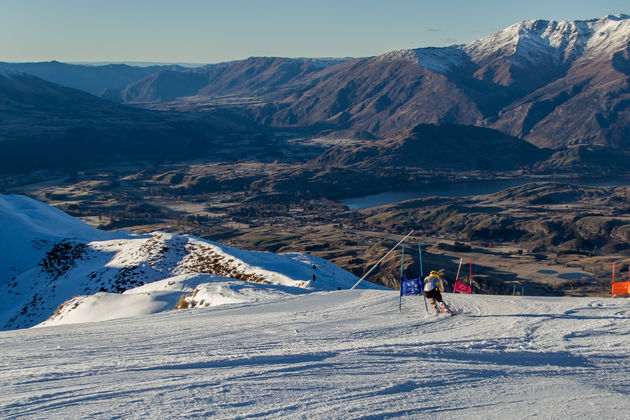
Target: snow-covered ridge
point(28, 227)
point(438, 60)
point(178, 292)
point(528, 43)
point(399, 55)
point(535, 40)
point(441, 60)
point(48, 257)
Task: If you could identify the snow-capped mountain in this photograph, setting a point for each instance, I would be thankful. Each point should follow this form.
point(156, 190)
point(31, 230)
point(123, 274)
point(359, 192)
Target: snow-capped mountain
point(543, 41)
point(532, 42)
point(48, 257)
point(553, 83)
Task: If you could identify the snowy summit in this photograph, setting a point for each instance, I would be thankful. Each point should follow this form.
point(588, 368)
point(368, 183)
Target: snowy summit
point(531, 42)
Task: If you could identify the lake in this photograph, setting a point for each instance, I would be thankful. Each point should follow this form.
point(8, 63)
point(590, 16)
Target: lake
point(465, 189)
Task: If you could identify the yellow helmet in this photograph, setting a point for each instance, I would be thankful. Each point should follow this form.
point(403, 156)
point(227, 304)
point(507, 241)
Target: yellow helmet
point(434, 273)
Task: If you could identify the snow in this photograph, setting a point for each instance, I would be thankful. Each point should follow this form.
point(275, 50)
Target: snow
point(528, 43)
point(61, 270)
point(279, 345)
point(334, 354)
point(441, 60)
point(399, 55)
point(438, 60)
point(610, 34)
point(542, 42)
point(151, 298)
point(201, 290)
point(28, 226)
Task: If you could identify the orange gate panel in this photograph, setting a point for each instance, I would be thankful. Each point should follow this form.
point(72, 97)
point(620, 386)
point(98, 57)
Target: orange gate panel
point(621, 288)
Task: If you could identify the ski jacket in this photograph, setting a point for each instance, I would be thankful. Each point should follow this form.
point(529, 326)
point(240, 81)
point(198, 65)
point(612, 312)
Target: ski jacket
point(432, 282)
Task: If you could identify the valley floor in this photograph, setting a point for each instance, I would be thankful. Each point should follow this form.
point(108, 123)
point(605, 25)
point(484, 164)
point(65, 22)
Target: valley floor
point(342, 354)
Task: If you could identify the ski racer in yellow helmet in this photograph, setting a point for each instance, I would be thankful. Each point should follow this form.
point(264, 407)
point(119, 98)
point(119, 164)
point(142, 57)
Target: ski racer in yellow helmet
point(432, 287)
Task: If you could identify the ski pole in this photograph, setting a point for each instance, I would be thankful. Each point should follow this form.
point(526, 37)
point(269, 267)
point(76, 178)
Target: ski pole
point(457, 276)
point(422, 278)
point(402, 278)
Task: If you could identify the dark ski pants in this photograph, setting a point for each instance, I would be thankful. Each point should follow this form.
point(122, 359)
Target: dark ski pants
point(433, 294)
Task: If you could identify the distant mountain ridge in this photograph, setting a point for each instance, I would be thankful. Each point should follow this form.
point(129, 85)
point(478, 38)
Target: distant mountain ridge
point(89, 78)
point(444, 146)
point(45, 125)
point(553, 83)
point(255, 76)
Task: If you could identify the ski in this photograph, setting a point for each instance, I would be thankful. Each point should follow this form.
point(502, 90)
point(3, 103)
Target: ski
point(447, 311)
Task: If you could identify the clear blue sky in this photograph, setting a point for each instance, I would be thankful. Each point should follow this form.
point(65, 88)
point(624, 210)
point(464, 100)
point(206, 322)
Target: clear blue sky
point(220, 30)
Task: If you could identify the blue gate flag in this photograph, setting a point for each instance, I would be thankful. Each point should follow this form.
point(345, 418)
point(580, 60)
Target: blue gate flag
point(410, 287)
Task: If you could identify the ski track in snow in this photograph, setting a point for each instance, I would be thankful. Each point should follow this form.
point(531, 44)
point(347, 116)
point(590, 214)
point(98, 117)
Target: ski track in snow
point(341, 354)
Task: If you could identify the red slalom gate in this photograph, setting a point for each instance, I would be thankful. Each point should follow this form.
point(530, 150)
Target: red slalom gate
point(620, 287)
point(462, 288)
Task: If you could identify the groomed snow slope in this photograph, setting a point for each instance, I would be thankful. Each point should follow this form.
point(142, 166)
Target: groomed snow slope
point(338, 354)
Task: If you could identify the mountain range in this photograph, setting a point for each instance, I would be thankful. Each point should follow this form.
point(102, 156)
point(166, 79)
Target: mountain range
point(44, 125)
point(553, 83)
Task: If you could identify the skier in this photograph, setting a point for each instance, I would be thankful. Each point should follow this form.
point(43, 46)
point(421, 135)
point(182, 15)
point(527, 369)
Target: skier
point(432, 288)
